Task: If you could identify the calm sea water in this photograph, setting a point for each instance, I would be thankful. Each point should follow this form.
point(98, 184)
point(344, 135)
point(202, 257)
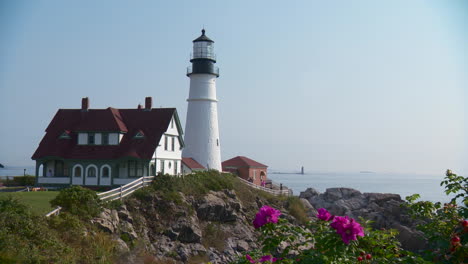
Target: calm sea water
point(428, 186)
point(16, 171)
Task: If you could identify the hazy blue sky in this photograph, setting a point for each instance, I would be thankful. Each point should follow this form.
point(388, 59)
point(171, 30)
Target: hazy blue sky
point(338, 86)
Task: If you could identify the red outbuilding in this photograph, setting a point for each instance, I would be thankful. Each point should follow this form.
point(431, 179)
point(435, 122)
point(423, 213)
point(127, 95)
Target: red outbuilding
point(247, 169)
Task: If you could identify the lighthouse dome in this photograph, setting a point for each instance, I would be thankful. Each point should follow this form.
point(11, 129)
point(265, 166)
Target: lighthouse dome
point(203, 37)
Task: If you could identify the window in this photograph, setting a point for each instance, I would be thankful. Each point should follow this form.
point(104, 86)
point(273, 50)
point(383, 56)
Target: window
point(131, 168)
point(162, 166)
point(217, 142)
point(139, 134)
point(105, 139)
point(65, 170)
point(113, 139)
point(91, 138)
point(173, 143)
point(65, 135)
point(175, 168)
point(139, 167)
point(59, 168)
point(172, 123)
point(165, 142)
point(77, 171)
point(82, 139)
point(153, 170)
point(91, 172)
point(105, 172)
point(169, 165)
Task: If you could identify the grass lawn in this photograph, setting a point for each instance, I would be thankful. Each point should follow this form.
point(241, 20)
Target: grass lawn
point(37, 201)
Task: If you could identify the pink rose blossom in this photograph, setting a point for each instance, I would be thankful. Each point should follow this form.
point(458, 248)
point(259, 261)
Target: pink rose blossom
point(324, 215)
point(265, 215)
point(267, 258)
point(348, 228)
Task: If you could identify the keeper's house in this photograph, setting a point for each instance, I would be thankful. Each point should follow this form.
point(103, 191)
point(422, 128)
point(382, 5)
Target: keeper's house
point(105, 147)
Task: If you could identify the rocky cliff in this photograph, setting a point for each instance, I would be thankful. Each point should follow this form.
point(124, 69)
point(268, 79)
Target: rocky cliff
point(152, 229)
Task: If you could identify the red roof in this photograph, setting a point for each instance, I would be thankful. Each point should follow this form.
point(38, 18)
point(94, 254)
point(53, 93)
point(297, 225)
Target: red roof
point(241, 161)
point(152, 123)
point(192, 164)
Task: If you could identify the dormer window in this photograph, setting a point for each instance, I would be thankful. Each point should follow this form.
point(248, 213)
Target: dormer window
point(139, 135)
point(65, 135)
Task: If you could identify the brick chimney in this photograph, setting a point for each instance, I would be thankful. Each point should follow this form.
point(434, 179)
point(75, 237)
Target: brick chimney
point(85, 104)
point(148, 103)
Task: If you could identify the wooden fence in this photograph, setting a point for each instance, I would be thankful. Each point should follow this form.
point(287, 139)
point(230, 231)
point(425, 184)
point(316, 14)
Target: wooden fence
point(285, 191)
point(117, 193)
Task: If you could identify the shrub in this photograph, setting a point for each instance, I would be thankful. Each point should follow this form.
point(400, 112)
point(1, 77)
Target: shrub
point(78, 201)
point(297, 209)
point(196, 184)
point(25, 180)
point(333, 240)
point(443, 225)
point(20, 181)
point(24, 237)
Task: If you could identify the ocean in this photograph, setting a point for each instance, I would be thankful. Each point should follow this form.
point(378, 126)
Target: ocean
point(428, 186)
point(16, 171)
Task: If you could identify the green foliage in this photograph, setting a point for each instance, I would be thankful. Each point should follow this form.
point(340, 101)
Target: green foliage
point(457, 185)
point(20, 181)
point(24, 237)
point(319, 243)
point(297, 209)
point(113, 205)
point(196, 184)
point(440, 223)
point(78, 201)
point(214, 236)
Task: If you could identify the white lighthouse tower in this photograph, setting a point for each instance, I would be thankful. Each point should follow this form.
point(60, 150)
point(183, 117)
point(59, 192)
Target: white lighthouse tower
point(201, 128)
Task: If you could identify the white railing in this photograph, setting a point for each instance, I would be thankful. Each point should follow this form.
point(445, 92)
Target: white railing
point(56, 211)
point(122, 191)
point(117, 193)
point(285, 192)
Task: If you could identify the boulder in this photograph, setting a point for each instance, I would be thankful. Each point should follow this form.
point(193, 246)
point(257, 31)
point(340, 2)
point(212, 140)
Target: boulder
point(214, 208)
point(107, 221)
point(309, 193)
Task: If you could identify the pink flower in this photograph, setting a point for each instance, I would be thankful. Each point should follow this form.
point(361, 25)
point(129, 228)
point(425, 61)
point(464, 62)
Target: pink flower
point(249, 258)
point(267, 258)
point(348, 228)
point(265, 215)
point(324, 215)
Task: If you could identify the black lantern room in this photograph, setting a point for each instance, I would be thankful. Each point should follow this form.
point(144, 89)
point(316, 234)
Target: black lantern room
point(203, 58)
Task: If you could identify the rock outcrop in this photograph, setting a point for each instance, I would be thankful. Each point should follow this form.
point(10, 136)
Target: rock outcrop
point(384, 209)
point(213, 228)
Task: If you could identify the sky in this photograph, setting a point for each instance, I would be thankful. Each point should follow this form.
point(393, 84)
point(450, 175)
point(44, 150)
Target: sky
point(334, 86)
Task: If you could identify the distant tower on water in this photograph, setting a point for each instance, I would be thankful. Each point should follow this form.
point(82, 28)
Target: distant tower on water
point(201, 127)
point(302, 170)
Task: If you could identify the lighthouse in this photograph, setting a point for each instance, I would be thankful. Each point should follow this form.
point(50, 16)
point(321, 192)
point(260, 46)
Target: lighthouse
point(201, 128)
